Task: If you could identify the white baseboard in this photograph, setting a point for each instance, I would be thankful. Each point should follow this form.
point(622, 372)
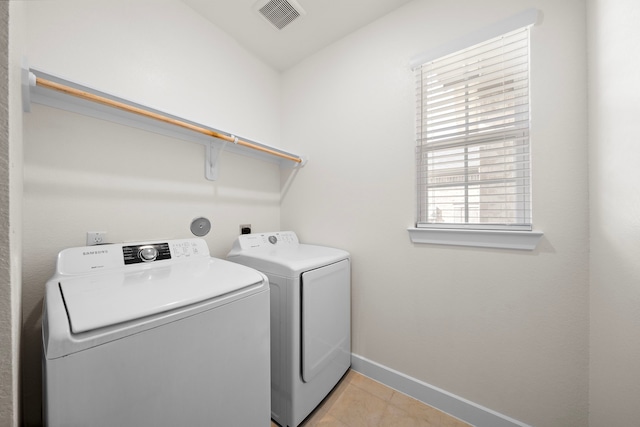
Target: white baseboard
point(467, 411)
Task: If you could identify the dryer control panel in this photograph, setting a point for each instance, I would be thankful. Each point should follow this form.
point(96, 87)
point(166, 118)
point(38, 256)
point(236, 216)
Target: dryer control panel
point(265, 240)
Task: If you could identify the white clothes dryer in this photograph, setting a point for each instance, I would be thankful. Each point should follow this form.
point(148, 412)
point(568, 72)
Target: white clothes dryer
point(155, 334)
point(310, 318)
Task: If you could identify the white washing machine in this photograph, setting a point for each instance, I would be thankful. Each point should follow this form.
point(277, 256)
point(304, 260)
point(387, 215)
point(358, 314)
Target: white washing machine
point(155, 334)
point(310, 318)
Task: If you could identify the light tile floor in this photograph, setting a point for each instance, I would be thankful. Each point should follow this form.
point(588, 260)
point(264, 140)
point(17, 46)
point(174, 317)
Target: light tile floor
point(359, 401)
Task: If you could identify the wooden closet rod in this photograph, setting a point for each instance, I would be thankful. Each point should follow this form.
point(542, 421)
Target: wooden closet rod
point(136, 110)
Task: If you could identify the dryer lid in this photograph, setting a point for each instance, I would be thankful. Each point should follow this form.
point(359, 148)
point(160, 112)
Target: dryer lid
point(281, 253)
point(288, 261)
point(99, 300)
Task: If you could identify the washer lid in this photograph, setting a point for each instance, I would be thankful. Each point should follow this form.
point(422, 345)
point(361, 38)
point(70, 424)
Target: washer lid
point(99, 300)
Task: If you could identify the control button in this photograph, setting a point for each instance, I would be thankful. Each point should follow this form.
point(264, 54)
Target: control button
point(273, 240)
point(148, 253)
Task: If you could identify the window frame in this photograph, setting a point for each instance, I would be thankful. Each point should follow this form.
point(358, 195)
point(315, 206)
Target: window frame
point(510, 237)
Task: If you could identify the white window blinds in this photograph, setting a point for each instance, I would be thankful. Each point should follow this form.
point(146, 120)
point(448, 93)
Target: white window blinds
point(473, 160)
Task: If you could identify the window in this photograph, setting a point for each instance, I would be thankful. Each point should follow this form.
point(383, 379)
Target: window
point(473, 158)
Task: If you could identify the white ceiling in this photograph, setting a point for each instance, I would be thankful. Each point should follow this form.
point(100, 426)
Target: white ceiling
point(325, 22)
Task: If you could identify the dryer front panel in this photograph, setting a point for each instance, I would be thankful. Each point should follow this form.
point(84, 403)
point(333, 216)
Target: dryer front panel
point(326, 318)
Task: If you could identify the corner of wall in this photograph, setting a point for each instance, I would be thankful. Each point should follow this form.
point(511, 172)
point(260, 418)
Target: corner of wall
point(11, 49)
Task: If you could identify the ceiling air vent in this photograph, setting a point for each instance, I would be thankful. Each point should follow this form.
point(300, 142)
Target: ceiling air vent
point(279, 13)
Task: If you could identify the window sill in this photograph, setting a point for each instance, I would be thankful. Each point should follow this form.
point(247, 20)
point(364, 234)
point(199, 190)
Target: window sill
point(500, 239)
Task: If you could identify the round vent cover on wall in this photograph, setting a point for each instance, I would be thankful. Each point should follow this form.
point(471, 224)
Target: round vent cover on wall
point(200, 226)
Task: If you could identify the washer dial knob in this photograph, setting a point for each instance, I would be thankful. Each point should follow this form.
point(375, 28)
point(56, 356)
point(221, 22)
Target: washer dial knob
point(148, 253)
point(273, 240)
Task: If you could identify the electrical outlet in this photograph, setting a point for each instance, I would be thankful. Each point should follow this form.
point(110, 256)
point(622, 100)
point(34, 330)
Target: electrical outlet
point(96, 237)
point(245, 228)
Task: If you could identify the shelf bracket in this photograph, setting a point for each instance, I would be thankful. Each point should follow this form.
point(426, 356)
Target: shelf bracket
point(212, 160)
point(28, 80)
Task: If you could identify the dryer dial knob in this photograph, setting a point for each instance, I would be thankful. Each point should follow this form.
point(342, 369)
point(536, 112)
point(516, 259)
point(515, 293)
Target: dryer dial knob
point(148, 253)
point(273, 240)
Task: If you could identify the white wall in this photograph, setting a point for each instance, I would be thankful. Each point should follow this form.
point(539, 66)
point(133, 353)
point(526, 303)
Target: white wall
point(614, 96)
point(84, 174)
point(505, 329)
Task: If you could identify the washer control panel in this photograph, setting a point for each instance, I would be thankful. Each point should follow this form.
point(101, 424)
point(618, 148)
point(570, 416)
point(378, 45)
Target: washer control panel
point(174, 249)
point(86, 259)
point(265, 240)
point(135, 254)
